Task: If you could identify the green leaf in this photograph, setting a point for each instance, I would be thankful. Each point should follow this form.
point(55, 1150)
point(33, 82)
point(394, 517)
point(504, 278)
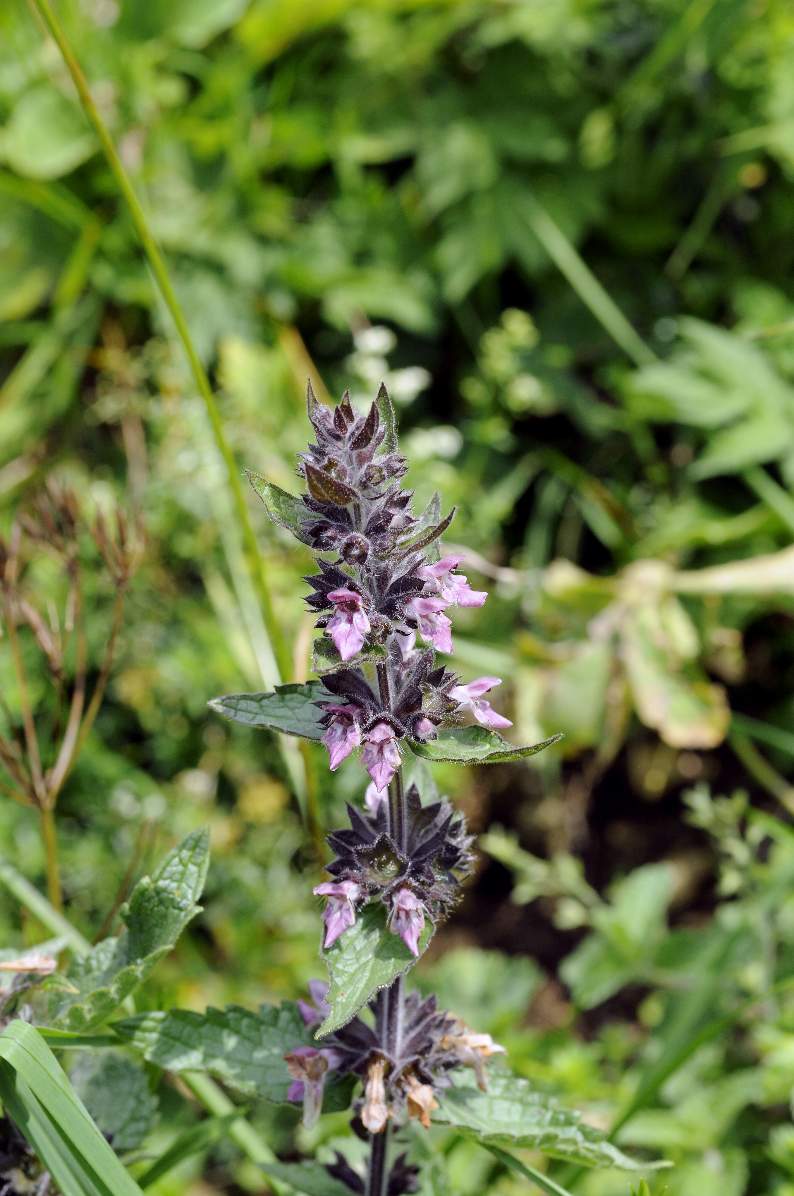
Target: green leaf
point(513, 1113)
point(290, 709)
point(47, 135)
point(244, 1048)
point(476, 745)
point(310, 1178)
point(763, 436)
point(47, 1111)
point(158, 911)
point(115, 1091)
point(628, 934)
point(365, 959)
point(287, 510)
point(388, 418)
point(671, 693)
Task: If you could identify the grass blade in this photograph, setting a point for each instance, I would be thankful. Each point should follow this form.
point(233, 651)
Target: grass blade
point(43, 1103)
point(544, 1182)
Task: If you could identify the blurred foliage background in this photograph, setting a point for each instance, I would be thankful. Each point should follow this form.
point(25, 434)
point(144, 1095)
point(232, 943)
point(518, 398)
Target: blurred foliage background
point(561, 231)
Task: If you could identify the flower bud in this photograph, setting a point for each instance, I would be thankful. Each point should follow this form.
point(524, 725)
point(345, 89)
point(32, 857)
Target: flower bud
point(354, 549)
point(373, 475)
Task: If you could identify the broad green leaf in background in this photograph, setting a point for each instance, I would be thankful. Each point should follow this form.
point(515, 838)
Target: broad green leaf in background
point(311, 1179)
point(720, 382)
point(159, 909)
point(669, 690)
point(513, 1113)
point(244, 1048)
point(47, 135)
point(365, 959)
point(628, 933)
point(573, 696)
point(45, 1108)
point(290, 709)
point(487, 989)
point(115, 1090)
point(476, 745)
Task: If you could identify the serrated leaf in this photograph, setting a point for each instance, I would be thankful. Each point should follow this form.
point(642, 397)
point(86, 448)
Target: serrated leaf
point(244, 1048)
point(513, 1113)
point(476, 745)
point(287, 510)
point(388, 418)
point(115, 1091)
point(290, 709)
point(159, 909)
point(365, 959)
point(311, 1179)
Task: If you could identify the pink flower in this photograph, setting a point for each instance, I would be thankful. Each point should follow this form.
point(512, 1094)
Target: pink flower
point(406, 642)
point(470, 697)
point(434, 627)
point(374, 797)
point(407, 919)
point(424, 729)
point(381, 755)
point(348, 626)
point(340, 910)
point(453, 587)
point(316, 1009)
point(343, 735)
point(309, 1066)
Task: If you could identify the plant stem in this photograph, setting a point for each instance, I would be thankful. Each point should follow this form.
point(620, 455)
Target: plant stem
point(762, 771)
point(163, 280)
point(391, 999)
point(29, 896)
point(241, 1132)
point(50, 840)
point(378, 1174)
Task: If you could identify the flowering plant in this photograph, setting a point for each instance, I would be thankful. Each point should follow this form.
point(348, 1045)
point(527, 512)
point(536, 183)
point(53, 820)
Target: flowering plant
point(383, 596)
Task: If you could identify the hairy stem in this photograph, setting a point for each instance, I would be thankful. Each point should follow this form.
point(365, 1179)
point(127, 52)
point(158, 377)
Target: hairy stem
point(391, 999)
point(378, 1175)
